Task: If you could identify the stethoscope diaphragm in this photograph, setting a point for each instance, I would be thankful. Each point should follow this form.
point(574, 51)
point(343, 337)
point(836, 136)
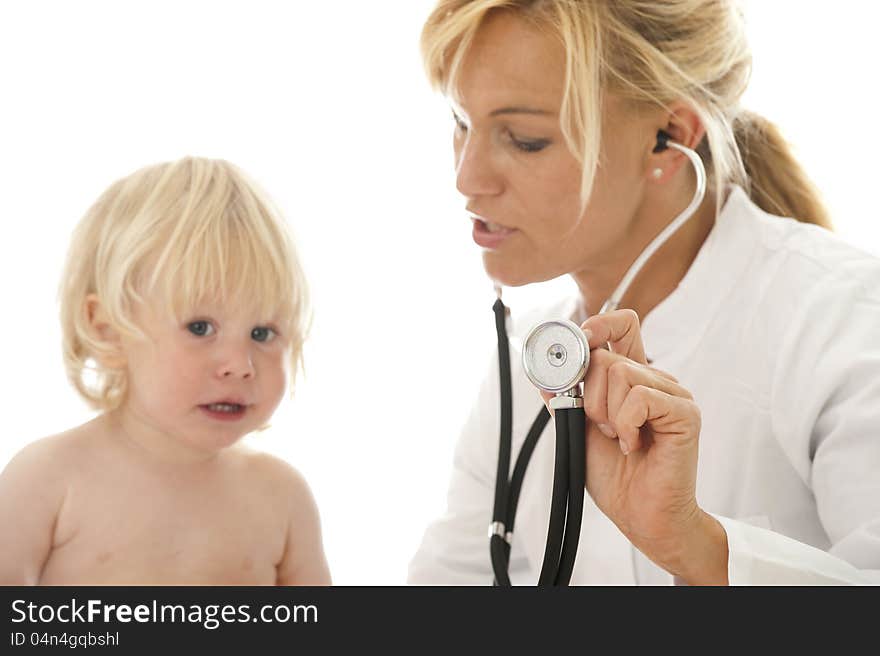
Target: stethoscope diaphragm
point(556, 355)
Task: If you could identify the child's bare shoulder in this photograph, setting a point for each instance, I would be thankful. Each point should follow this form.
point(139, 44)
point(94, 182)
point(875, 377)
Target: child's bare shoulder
point(304, 562)
point(270, 474)
point(33, 489)
point(48, 460)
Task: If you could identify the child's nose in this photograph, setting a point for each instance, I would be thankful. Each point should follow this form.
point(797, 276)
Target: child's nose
point(236, 363)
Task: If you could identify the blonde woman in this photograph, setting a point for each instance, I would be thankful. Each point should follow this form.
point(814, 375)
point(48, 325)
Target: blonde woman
point(734, 428)
point(183, 311)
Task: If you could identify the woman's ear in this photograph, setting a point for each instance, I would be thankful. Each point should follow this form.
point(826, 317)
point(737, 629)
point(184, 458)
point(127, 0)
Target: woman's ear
point(101, 330)
point(683, 125)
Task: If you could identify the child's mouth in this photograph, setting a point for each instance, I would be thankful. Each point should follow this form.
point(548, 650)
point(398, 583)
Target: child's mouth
point(224, 411)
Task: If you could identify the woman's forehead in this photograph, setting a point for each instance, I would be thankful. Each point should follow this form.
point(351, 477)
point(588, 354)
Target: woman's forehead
point(510, 64)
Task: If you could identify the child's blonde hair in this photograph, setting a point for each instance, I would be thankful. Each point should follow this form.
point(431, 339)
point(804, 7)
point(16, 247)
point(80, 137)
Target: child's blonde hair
point(191, 230)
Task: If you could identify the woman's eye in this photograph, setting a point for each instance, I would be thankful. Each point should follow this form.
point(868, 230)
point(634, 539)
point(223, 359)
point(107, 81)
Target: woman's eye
point(459, 124)
point(529, 146)
point(200, 328)
point(263, 334)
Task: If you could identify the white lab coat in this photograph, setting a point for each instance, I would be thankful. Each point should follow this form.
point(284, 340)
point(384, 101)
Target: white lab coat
point(775, 330)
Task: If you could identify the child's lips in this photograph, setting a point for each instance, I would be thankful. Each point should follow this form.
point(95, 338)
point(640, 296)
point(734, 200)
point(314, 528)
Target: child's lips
point(229, 400)
point(225, 410)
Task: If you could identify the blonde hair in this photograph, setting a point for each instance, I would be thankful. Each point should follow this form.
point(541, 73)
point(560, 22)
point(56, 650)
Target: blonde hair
point(191, 230)
point(647, 52)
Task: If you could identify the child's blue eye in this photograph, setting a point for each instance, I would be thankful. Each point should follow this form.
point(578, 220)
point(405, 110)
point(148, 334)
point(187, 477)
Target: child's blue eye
point(200, 328)
point(262, 334)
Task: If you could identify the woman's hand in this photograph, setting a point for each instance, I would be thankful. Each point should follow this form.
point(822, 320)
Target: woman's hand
point(642, 438)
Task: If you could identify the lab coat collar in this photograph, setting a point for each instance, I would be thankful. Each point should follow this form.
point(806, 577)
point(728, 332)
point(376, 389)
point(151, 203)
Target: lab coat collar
point(680, 319)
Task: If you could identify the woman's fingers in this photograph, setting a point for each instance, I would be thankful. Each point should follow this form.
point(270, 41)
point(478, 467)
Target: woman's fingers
point(619, 329)
point(624, 375)
point(596, 389)
point(608, 379)
point(668, 416)
point(666, 375)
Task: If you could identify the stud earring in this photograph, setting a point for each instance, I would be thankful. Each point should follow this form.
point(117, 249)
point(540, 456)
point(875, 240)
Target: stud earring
point(657, 173)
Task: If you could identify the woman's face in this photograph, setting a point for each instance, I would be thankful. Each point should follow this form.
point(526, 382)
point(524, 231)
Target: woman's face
point(521, 182)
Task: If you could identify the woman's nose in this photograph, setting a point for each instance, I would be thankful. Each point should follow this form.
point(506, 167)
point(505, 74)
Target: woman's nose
point(475, 173)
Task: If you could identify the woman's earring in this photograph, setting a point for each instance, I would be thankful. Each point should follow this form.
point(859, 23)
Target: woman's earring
point(657, 173)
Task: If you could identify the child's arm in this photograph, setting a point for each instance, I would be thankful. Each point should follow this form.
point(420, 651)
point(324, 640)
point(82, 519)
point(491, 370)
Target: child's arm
point(31, 494)
point(303, 562)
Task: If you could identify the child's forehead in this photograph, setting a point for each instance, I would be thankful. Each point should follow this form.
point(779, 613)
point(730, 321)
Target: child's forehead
point(246, 308)
point(241, 285)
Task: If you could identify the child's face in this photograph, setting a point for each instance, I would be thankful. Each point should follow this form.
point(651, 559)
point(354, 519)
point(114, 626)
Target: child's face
point(208, 380)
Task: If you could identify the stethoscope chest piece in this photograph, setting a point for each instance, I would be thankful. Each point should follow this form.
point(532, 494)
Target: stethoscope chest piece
point(556, 355)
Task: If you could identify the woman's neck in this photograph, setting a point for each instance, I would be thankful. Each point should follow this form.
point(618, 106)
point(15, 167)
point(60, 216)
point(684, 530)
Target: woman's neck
point(662, 273)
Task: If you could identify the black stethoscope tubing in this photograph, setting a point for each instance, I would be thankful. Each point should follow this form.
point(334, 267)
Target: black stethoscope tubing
point(566, 509)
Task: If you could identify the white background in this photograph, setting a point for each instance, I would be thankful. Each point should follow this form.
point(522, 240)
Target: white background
point(325, 104)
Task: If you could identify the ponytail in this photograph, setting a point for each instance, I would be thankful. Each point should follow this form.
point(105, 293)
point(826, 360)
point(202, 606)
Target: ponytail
point(778, 184)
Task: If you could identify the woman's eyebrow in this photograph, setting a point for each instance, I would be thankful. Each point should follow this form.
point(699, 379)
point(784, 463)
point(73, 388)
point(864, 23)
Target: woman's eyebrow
point(521, 110)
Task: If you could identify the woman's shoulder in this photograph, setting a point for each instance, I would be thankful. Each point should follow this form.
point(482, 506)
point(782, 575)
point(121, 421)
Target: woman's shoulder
point(803, 288)
point(801, 256)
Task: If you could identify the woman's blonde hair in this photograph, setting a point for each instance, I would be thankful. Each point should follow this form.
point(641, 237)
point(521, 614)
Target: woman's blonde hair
point(646, 51)
point(189, 231)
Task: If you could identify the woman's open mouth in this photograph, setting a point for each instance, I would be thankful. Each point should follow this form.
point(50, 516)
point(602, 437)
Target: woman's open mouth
point(489, 235)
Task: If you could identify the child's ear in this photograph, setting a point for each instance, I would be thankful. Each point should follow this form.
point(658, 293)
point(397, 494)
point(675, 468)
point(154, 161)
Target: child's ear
point(102, 331)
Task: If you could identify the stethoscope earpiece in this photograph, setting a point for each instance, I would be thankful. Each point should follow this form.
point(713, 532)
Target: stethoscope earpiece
point(662, 141)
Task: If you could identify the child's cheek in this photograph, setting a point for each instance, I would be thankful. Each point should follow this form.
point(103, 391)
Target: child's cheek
point(283, 378)
point(179, 376)
point(186, 374)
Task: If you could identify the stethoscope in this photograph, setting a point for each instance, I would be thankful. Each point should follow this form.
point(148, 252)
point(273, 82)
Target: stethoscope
point(555, 357)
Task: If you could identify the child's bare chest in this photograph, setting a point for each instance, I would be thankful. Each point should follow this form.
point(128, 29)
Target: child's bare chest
point(141, 535)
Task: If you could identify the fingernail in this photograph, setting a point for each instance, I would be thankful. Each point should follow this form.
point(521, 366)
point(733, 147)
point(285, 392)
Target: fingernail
point(606, 429)
point(623, 447)
point(587, 333)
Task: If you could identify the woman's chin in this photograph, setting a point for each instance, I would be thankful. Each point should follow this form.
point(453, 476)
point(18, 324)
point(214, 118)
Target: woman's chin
point(510, 273)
